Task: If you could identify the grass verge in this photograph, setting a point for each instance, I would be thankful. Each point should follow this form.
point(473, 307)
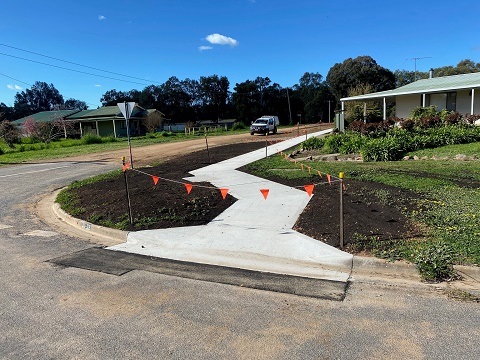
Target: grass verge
point(27, 152)
point(448, 199)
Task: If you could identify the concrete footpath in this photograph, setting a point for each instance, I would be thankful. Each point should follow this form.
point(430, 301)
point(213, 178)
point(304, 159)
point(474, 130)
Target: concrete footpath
point(254, 233)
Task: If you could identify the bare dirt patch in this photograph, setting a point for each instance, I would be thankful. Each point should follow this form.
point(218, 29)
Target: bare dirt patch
point(168, 205)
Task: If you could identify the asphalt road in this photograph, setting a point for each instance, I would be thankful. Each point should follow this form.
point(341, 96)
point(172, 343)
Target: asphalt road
point(52, 312)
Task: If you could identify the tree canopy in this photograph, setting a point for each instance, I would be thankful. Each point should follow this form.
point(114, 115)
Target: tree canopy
point(404, 77)
point(74, 104)
point(362, 70)
point(315, 95)
point(6, 112)
point(40, 97)
point(210, 98)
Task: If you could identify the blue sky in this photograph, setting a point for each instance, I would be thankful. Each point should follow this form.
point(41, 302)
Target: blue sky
point(241, 39)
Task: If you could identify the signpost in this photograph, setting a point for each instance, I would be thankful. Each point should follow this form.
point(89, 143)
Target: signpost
point(127, 108)
point(341, 210)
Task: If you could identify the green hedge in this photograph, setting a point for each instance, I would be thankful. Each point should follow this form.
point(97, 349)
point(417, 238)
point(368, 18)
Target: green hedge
point(396, 142)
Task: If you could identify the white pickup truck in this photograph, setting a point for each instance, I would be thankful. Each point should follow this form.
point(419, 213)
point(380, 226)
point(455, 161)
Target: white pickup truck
point(265, 125)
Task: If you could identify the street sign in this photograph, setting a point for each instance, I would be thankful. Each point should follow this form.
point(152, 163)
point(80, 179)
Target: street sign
point(126, 108)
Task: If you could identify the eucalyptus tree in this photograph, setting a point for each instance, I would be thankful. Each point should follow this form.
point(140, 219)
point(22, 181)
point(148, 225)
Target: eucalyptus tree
point(362, 70)
point(40, 97)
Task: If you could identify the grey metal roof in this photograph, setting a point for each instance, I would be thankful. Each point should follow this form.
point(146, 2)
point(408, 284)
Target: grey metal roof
point(433, 85)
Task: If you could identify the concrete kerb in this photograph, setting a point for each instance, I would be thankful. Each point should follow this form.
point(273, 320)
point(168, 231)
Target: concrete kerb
point(109, 236)
point(85, 225)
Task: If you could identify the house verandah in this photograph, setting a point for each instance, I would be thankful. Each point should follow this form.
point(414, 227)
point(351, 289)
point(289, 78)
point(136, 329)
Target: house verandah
point(460, 93)
point(108, 120)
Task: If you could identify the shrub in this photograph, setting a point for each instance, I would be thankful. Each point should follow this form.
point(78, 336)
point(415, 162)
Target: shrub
point(423, 112)
point(109, 139)
point(313, 143)
point(333, 143)
point(470, 119)
point(427, 122)
point(373, 129)
point(238, 126)
point(407, 124)
point(166, 133)
point(356, 126)
point(1, 151)
point(352, 143)
point(382, 149)
point(450, 117)
point(91, 139)
point(28, 140)
point(435, 262)
point(150, 135)
point(10, 133)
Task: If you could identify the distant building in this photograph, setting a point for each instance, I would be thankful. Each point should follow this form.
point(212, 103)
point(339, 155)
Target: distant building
point(104, 121)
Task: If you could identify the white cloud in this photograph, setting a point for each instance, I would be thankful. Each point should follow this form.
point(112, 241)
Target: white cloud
point(97, 85)
point(101, 17)
point(203, 48)
point(218, 39)
point(14, 87)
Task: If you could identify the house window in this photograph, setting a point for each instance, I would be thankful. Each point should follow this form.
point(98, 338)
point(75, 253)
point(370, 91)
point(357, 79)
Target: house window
point(451, 104)
point(123, 124)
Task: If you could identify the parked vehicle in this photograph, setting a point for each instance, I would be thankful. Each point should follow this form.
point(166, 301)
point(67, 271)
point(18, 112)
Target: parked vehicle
point(265, 125)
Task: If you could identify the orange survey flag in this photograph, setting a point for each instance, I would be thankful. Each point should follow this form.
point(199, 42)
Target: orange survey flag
point(224, 192)
point(309, 189)
point(265, 193)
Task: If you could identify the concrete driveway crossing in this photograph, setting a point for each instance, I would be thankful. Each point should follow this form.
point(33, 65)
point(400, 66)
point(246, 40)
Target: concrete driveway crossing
point(254, 233)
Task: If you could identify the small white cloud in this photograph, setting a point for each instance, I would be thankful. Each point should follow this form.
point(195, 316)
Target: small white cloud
point(101, 17)
point(97, 85)
point(221, 40)
point(14, 87)
point(203, 48)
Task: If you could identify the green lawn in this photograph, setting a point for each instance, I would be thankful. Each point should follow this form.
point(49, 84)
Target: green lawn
point(449, 195)
point(451, 151)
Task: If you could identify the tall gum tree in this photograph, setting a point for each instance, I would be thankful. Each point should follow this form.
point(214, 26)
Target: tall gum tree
point(362, 70)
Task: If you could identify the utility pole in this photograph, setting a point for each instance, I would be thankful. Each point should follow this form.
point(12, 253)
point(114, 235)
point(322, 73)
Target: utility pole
point(329, 117)
point(289, 109)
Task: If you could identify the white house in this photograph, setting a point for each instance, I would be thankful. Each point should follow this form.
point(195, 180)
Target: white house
point(459, 93)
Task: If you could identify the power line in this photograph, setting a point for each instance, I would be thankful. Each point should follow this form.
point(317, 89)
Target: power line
point(25, 83)
point(73, 70)
point(20, 81)
point(76, 64)
point(112, 78)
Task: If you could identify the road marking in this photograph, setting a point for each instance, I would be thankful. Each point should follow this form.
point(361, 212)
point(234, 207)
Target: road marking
point(34, 171)
point(41, 233)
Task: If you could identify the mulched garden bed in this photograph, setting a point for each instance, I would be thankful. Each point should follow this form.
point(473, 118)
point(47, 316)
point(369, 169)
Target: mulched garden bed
point(168, 205)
